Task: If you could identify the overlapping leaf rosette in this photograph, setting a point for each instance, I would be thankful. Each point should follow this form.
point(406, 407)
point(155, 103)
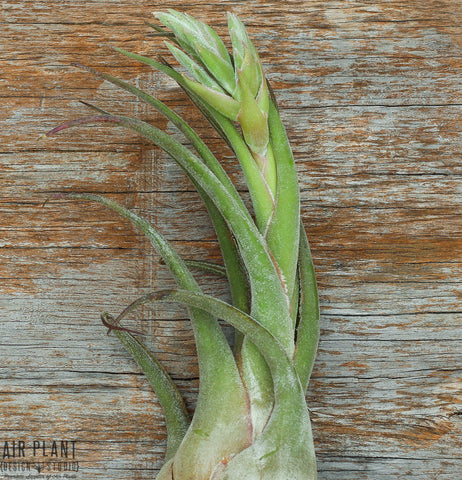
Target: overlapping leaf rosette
point(251, 421)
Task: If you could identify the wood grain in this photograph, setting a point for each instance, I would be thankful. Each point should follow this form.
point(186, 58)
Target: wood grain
point(370, 93)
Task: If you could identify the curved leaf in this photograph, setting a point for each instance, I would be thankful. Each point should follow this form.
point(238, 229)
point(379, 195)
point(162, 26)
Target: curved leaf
point(207, 267)
point(176, 416)
point(308, 324)
point(283, 231)
point(222, 402)
point(235, 272)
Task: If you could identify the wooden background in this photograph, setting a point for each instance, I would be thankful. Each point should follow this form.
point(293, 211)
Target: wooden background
point(371, 95)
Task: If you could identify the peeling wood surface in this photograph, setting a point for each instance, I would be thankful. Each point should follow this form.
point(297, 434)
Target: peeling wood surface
point(371, 96)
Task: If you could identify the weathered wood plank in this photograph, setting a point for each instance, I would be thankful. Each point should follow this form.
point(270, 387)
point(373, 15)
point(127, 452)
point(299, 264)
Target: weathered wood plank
point(371, 96)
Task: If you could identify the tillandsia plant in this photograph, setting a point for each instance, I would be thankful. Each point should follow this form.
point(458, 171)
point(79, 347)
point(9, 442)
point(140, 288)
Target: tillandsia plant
point(251, 421)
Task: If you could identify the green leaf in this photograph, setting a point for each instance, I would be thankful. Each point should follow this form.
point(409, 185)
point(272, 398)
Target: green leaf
point(308, 324)
point(191, 32)
point(222, 70)
point(253, 121)
point(263, 276)
point(207, 267)
point(284, 230)
point(176, 416)
point(221, 102)
point(197, 72)
point(152, 63)
point(179, 24)
point(162, 32)
point(213, 116)
point(235, 271)
point(260, 191)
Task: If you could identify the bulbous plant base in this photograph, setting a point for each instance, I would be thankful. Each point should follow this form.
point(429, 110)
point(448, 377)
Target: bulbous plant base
point(254, 463)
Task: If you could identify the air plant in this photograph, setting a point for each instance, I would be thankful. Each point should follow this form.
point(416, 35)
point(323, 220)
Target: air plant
point(251, 421)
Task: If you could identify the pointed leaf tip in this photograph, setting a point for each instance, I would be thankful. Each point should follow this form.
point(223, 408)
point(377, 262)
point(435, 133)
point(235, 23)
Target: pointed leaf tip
point(83, 121)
